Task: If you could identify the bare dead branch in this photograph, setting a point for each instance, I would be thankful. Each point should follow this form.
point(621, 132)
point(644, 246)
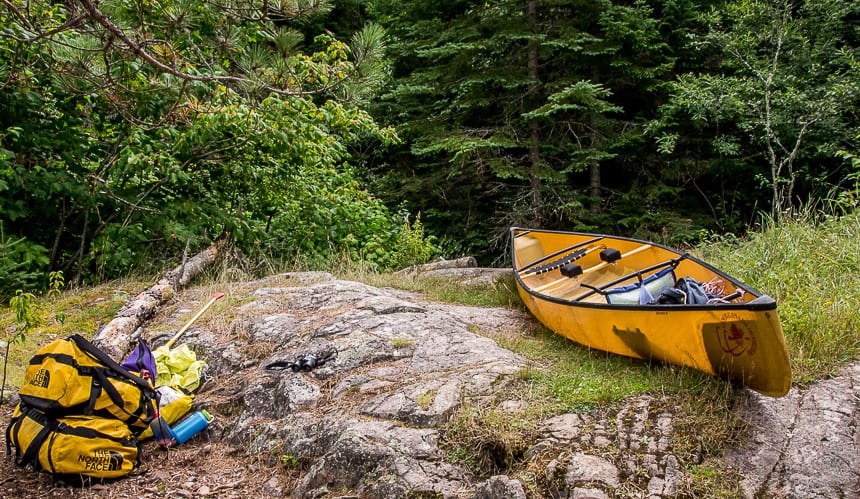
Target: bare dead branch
point(119, 199)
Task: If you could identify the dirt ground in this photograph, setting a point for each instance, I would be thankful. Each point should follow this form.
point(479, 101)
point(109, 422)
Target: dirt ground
point(199, 468)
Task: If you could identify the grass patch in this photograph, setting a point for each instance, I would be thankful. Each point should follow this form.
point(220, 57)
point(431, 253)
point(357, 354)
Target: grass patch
point(705, 425)
point(575, 378)
point(713, 478)
point(811, 266)
point(80, 311)
point(487, 439)
point(425, 401)
point(402, 343)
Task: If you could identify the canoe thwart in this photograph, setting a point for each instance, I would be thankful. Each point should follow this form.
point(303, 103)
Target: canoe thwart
point(605, 287)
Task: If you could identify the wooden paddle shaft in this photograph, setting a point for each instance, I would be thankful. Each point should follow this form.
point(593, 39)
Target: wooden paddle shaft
point(215, 298)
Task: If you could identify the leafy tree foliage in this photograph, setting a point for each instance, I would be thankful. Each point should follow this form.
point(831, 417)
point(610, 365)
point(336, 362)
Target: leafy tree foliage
point(134, 131)
point(784, 99)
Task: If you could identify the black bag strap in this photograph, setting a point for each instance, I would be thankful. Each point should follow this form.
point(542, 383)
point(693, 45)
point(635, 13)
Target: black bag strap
point(100, 380)
point(30, 455)
point(150, 395)
point(87, 432)
point(9, 434)
point(102, 357)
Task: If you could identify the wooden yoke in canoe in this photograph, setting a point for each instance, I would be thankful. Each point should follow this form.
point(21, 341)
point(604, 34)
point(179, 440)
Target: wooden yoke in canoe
point(594, 268)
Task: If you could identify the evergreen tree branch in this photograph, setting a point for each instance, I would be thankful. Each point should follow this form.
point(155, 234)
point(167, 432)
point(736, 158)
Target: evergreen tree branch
point(140, 51)
point(69, 23)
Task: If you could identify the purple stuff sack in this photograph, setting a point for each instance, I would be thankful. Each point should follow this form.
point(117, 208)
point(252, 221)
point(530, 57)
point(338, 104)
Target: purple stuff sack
point(141, 359)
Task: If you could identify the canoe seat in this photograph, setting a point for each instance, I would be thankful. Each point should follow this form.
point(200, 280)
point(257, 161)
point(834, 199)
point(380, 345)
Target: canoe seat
point(529, 249)
point(610, 255)
point(571, 270)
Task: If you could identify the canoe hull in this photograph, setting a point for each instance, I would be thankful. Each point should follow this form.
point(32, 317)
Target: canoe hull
point(740, 341)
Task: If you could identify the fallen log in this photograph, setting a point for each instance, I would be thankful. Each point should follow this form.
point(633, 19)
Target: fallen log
point(116, 337)
point(458, 263)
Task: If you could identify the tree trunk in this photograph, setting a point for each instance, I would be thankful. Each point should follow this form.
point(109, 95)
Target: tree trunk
point(536, 185)
point(116, 337)
point(459, 263)
point(595, 191)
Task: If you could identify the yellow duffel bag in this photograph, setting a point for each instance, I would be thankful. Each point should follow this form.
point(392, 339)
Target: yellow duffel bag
point(75, 445)
point(71, 377)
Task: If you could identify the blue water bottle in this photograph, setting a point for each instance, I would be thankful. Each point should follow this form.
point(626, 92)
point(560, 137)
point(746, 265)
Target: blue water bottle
point(190, 426)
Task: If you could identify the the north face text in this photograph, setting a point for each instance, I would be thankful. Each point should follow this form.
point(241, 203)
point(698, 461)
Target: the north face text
point(41, 378)
point(102, 460)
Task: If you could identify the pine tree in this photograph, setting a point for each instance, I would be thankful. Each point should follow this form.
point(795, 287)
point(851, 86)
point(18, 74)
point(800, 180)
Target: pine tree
point(511, 109)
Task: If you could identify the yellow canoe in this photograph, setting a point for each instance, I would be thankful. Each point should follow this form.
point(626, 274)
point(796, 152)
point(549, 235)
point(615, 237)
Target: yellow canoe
point(589, 288)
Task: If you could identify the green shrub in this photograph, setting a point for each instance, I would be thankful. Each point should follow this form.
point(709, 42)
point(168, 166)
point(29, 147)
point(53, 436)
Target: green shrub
point(22, 264)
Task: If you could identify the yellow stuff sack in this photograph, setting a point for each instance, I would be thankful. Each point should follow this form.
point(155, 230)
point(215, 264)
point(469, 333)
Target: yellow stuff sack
point(71, 377)
point(173, 403)
point(75, 445)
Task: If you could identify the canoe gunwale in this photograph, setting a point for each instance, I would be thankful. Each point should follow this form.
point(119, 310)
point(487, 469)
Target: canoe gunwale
point(762, 303)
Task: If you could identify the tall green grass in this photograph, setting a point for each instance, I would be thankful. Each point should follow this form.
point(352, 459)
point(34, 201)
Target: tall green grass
point(811, 265)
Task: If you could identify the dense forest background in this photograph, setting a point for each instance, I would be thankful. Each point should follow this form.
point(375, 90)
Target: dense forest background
point(389, 132)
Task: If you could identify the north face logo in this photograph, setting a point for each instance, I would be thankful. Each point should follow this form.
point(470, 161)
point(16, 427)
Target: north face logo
point(102, 460)
point(41, 379)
